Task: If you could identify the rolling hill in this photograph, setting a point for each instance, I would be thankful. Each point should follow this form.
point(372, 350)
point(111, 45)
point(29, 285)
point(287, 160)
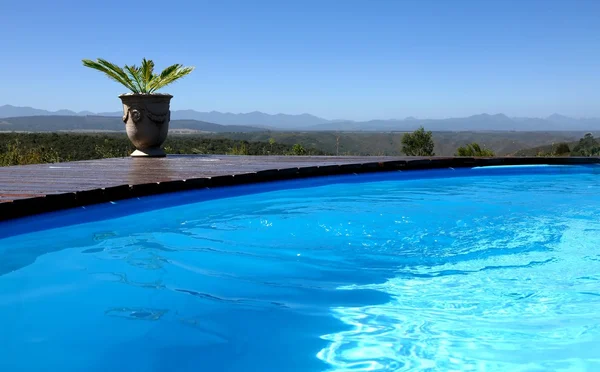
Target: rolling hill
point(350, 143)
point(372, 143)
point(104, 123)
point(482, 122)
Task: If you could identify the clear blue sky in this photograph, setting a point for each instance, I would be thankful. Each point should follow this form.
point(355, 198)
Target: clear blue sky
point(332, 58)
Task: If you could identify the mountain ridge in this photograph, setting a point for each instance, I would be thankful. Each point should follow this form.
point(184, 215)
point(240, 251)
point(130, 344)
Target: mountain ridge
point(308, 122)
point(255, 118)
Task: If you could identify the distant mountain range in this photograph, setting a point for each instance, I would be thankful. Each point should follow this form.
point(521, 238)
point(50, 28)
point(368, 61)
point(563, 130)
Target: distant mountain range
point(256, 121)
point(481, 122)
point(256, 118)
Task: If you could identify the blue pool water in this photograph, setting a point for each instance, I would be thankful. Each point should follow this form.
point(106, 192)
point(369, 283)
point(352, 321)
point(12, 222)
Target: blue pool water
point(493, 269)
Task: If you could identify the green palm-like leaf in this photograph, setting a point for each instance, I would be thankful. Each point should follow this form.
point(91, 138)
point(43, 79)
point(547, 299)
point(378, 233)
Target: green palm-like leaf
point(168, 76)
point(111, 70)
point(135, 74)
point(140, 79)
point(147, 73)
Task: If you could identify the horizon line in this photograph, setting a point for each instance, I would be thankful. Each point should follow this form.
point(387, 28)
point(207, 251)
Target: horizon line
point(409, 117)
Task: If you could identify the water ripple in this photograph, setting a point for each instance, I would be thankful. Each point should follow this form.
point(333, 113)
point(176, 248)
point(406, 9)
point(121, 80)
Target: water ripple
point(510, 312)
point(480, 273)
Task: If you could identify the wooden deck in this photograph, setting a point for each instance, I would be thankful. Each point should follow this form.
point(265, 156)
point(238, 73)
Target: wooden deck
point(31, 189)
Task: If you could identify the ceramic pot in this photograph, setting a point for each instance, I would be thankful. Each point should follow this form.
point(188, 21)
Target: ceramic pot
point(146, 118)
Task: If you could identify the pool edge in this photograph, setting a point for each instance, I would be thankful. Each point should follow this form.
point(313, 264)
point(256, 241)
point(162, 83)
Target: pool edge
point(68, 200)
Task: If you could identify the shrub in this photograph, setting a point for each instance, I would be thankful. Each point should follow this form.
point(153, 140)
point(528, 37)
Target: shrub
point(418, 143)
point(474, 150)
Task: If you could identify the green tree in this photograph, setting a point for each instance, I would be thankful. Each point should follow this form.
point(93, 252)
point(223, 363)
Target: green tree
point(298, 149)
point(139, 79)
point(562, 149)
point(107, 149)
point(474, 150)
point(241, 150)
point(587, 146)
point(418, 143)
point(15, 154)
point(271, 143)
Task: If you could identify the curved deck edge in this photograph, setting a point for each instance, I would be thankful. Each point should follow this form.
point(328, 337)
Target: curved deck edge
point(30, 197)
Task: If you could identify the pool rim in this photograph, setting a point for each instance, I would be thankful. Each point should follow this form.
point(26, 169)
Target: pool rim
point(156, 201)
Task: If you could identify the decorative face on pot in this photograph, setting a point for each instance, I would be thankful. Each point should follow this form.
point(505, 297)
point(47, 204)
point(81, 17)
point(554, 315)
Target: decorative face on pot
point(135, 113)
point(146, 119)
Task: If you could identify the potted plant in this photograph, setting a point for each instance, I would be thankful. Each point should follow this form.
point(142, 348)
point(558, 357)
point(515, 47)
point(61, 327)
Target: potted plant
point(146, 114)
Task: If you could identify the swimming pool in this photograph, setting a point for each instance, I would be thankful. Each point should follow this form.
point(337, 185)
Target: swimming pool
point(492, 269)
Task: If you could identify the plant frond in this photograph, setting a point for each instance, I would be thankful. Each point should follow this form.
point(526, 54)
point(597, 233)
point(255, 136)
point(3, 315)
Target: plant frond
point(113, 72)
point(168, 76)
point(139, 79)
point(147, 74)
point(118, 70)
point(135, 74)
